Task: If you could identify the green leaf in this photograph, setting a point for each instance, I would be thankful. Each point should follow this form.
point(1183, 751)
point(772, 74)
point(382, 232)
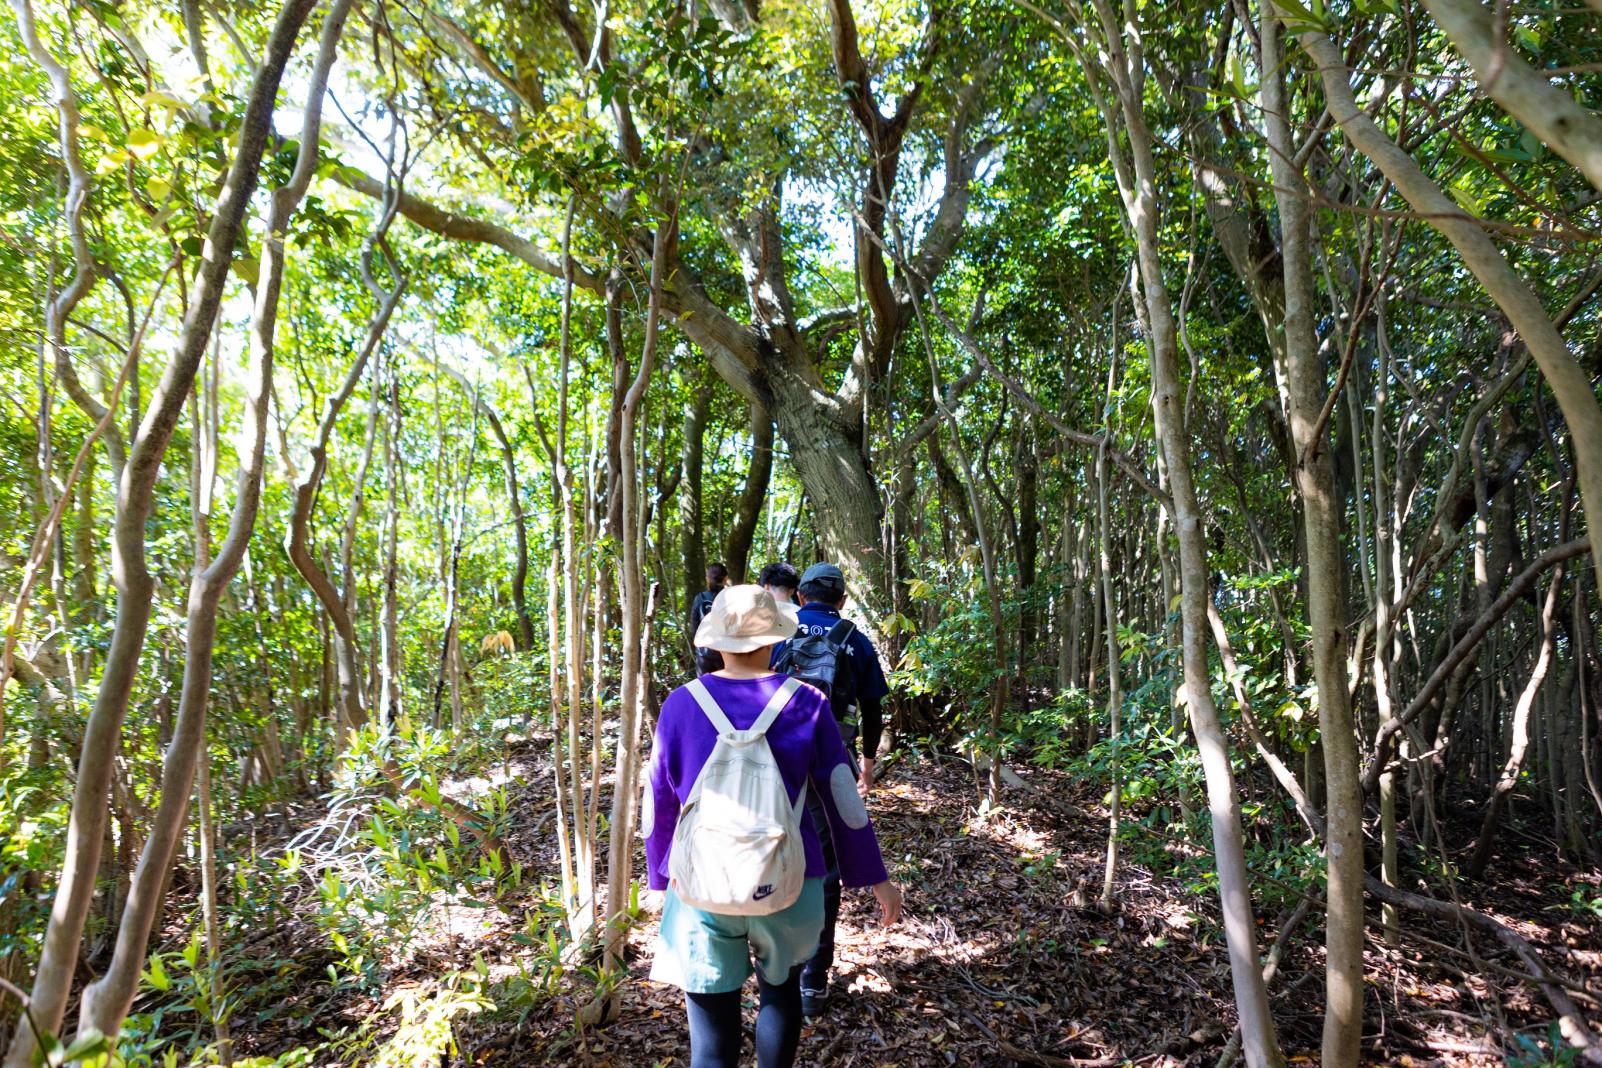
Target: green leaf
point(247, 269)
point(111, 161)
point(157, 976)
point(88, 1043)
point(1298, 18)
point(193, 245)
point(143, 144)
point(158, 188)
point(160, 98)
point(1467, 199)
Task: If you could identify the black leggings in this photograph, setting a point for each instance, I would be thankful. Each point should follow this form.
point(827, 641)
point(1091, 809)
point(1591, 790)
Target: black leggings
point(716, 1033)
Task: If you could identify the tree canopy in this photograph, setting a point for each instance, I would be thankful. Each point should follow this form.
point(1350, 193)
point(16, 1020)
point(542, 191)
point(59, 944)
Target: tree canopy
point(1200, 398)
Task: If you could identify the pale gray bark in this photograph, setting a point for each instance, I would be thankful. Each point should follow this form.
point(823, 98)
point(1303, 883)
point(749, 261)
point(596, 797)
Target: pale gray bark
point(1326, 564)
point(107, 1000)
point(1115, 677)
point(1570, 384)
point(1122, 62)
point(135, 588)
point(636, 676)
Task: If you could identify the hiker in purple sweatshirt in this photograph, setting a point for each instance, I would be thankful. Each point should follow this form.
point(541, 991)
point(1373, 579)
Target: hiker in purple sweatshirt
point(709, 955)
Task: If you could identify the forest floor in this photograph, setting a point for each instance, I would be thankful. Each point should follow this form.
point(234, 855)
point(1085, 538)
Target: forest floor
point(1002, 958)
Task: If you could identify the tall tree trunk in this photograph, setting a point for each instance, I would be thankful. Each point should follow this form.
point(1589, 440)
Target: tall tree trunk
point(389, 662)
point(1137, 180)
point(692, 541)
point(350, 711)
point(737, 547)
point(450, 652)
point(135, 498)
point(635, 661)
point(581, 905)
point(106, 1001)
point(1326, 565)
point(1027, 548)
point(208, 908)
point(514, 497)
point(952, 493)
point(1115, 678)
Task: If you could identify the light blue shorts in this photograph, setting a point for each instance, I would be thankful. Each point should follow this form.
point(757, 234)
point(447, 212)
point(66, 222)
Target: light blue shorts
point(711, 953)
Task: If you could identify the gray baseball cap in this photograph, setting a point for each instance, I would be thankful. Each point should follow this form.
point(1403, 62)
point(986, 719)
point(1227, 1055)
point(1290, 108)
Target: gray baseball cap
point(824, 573)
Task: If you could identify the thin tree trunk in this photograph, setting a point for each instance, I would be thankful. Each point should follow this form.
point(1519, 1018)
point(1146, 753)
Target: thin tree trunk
point(208, 904)
point(737, 547)
point(1000, 683)
point(1115, 678)
point(107, 1000)
point(135, 588)
point(1520, 742)
point(635, 662)
point(1137, 180)
point(692, 542)
point(581, 905)
point(350, 711)
point(1027, 546)
point(389, 664)
point(449, 654)
point(1326, 564)
point(514, 498)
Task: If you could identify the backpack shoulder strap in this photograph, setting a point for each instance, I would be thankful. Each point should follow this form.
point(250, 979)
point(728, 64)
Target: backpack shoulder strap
point(776, 704)
point(840, 632)
point(709, 705)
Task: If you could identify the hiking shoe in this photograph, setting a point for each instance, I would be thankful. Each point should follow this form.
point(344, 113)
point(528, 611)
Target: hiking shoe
point(814, 1003)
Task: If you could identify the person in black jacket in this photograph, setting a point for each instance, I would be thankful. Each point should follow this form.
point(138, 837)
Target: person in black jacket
point(717, 577)
point(858, 710)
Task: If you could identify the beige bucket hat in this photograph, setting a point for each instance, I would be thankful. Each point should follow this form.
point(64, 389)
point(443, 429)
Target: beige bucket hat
point(745, 618)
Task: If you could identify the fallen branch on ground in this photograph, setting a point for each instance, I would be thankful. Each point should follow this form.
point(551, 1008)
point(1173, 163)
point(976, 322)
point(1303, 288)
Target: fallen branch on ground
point(1570, 1023)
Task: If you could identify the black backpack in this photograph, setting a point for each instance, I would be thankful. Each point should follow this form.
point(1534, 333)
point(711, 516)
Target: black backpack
point(821, 661)
point(706, 660)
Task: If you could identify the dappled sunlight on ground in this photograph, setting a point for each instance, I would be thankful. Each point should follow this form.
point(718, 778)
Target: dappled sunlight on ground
point(1001, 957)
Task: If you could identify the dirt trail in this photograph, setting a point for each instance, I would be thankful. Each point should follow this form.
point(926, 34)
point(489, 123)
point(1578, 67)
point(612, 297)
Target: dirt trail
point(1001, 960)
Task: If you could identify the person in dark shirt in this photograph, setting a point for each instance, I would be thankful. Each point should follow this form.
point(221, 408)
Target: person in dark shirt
point(823, 595)
point(717, 577)
point(782, 580)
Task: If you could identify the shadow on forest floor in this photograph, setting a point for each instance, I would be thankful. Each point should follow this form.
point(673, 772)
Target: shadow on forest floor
point(999, 959)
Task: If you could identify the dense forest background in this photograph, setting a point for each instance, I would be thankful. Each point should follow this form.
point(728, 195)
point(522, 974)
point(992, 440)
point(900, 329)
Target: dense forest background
point(1201, 398)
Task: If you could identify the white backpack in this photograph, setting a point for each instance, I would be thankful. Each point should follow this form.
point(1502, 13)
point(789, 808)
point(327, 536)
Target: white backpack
point(737, 847)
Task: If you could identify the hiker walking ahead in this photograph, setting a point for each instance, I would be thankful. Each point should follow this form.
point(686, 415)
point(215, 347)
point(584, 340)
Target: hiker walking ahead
point(717, 579)
point(839, 660)
point(781, 580)
point(737, 752)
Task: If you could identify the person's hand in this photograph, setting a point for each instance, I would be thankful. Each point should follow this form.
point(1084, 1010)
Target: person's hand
point(888, 895)
point(865, 780)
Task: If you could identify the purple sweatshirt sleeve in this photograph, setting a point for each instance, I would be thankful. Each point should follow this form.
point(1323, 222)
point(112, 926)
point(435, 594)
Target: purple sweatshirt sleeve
point(856, 848)
point(661, 811)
